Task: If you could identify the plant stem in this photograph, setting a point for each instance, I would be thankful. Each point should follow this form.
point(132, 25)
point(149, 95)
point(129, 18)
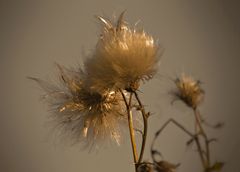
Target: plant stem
point(145, 129)
point(200, 151)
point(131, 129)
point(164, 126)
point(203, 134)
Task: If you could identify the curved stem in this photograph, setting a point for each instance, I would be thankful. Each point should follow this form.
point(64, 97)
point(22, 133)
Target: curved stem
point(145, 129)
point(131, 129)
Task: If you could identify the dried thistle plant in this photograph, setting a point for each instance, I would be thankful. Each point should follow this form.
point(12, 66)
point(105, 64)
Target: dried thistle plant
point(85, 116)
point(123, 56)
point(95, 103)
point(191, 93)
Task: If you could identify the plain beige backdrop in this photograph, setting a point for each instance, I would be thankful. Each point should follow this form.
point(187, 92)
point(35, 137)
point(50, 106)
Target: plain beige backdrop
point(201, 38)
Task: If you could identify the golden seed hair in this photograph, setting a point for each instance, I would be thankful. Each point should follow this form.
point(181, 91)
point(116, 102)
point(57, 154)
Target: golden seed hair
point(123, 56)
point(86, 116)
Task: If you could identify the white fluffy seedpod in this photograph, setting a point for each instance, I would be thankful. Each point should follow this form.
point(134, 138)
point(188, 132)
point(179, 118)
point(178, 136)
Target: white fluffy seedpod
point(122, 58)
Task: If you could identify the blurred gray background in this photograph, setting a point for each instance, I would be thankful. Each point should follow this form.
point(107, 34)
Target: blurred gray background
point(201, 38)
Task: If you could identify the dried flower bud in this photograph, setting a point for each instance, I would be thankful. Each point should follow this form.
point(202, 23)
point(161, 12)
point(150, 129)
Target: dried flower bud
point(189, 91)
point(145, 167)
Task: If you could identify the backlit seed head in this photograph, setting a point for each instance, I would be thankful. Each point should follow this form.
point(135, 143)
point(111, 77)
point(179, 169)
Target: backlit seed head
point(123, 57)
point(85, 116)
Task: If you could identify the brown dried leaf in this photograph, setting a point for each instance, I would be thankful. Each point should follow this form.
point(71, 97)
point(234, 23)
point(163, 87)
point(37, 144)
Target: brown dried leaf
point(217, 166)
point(165, 166)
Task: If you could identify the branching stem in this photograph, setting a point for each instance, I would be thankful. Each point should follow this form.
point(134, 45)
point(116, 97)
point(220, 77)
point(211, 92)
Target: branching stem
point(165, 125)
point(203, 134)
point(193, 136)
point(145, 127)
point(131, 128)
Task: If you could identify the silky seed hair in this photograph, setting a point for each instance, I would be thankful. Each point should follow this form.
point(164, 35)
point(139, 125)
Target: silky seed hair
point(84, 116)
point(122, 58)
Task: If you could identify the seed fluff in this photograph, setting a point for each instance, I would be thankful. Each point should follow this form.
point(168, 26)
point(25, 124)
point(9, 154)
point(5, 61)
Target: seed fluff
point(123, 57)
point(85, 116)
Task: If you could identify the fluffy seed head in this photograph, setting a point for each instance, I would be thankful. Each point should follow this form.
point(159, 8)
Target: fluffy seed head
point(122, 58)
point(85, 116)
point(189, 91)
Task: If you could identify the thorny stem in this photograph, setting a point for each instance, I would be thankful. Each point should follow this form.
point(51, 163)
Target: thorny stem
point(145, 129)
point(203, 134)
point(131, 129)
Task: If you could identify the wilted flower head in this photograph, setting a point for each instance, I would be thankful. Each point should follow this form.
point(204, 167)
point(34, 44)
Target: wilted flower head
point(189, 91)
point(86, 116)
point(122, 58)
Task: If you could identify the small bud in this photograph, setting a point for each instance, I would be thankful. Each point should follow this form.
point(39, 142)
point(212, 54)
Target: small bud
point(189, 91)
point(145, 167)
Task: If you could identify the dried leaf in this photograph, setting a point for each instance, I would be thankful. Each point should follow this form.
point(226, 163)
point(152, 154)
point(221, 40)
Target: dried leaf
point(165, 166)
point(189, 142)
point(219, 125)
point(216, 167)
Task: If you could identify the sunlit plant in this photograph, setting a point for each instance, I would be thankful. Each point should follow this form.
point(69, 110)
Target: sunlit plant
point(94, 104)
